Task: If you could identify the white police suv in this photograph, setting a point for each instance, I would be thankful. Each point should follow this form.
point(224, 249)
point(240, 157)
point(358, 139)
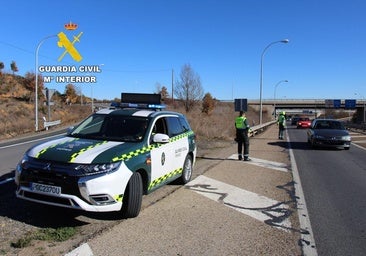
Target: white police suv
point(110, 159)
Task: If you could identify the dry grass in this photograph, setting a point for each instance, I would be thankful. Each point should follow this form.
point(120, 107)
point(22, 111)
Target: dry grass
point(17, 113)
point(219, 125)
point(18, 118)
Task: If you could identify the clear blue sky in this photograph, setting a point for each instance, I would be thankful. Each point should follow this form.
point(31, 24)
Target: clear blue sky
point(140, 42)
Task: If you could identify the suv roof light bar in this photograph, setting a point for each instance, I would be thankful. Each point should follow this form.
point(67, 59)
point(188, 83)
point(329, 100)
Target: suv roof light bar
point(140, 101)
point(144, 98)
point(142, 106)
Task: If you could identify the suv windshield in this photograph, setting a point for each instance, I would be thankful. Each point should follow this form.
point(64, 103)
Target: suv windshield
point(112, 127)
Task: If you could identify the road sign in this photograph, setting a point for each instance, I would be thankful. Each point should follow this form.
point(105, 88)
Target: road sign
point(350, 104)
point(241, 105)
point(336, 103)
point(48, 93)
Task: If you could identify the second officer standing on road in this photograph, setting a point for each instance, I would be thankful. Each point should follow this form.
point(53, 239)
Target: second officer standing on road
point(281, 122)
point(242, 138)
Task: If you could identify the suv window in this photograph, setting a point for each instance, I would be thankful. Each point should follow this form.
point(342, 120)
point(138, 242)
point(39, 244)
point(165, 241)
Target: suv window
point(112, 127)
point(177, 125)
point(185, 124)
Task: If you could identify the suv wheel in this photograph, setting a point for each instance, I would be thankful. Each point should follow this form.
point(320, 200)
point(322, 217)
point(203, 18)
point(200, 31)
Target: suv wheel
point(187, 170)
point(133, 197)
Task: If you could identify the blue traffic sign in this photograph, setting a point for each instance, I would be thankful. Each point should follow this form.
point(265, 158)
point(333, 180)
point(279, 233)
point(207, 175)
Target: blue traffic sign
point(350, 103)
point(336, 103)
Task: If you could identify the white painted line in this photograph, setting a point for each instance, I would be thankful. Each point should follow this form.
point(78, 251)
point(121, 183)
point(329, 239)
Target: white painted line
point(30, 141)
point(359, 146)
point(256, 206)
point(82, 250)
point(263, 163)
point(307, 238)
point(359, 141)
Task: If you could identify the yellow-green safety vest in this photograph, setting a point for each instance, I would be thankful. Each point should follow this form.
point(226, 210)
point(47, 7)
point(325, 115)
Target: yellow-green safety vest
point(240, 122)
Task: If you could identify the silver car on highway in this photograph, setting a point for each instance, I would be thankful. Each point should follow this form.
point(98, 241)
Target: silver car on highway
point(328, 133)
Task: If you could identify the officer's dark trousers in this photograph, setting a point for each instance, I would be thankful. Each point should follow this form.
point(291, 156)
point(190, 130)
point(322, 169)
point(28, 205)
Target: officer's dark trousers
point(243, 140)
point(281, 129)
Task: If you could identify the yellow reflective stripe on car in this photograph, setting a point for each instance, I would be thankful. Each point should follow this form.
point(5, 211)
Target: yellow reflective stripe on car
point(75, 155)
point(161, 179)
point(118, 198)
point(181, 136)
point(52, 146)
point(149, 148)
point(134, 153)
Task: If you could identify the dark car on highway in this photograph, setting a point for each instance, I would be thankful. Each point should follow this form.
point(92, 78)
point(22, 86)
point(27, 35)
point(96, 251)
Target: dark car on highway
point(328, 133)
point(294, 120)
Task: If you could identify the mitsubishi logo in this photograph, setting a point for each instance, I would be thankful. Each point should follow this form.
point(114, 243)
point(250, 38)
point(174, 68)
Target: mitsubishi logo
point(47, 167)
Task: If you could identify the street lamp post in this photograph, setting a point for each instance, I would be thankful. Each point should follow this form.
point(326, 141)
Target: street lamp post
point(285, 41)
point(36, 85)
point(274, 95)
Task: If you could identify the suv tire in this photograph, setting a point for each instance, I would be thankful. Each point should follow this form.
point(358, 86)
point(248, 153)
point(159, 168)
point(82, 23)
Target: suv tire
point(187, 170)
point(133, 197)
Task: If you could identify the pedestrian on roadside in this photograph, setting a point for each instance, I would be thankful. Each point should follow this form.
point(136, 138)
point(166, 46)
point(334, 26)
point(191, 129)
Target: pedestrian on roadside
point(281, 122)
point(242, 138)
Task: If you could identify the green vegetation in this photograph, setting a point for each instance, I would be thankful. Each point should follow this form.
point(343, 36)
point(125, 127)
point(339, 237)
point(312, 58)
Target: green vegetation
point(46, 234)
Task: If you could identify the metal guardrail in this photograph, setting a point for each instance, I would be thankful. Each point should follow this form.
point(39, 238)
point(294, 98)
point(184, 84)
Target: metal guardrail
point(46, 125)
point(259, 128)
point(356, 127)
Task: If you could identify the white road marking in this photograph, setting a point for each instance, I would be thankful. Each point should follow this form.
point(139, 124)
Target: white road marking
point(307, 239)
point(30, 141)
point(263, 163)
point(82, 250)
point(256, 206)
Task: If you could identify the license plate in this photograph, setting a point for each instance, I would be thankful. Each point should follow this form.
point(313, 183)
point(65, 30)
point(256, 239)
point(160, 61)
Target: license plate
point(46, 189)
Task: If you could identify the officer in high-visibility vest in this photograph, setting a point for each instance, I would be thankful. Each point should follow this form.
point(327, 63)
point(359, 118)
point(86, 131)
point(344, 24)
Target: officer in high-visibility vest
point(242, 137)
point(281, 122)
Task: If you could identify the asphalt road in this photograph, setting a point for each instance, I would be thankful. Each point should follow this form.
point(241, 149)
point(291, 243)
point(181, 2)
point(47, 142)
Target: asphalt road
point(193, 220)
point(231, 208)
point(334, 184)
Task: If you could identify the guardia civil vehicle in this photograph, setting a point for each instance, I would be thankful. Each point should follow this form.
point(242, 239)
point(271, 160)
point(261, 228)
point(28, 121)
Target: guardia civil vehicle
point(111, 159)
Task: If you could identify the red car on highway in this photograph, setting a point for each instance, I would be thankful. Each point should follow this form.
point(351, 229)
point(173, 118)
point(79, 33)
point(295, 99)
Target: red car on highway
point(303, 122)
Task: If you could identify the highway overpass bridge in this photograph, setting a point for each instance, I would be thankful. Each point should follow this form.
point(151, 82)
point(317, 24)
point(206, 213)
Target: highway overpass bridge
point(313, 107)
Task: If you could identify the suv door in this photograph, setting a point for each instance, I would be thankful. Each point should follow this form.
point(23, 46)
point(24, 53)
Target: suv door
point(167, 159)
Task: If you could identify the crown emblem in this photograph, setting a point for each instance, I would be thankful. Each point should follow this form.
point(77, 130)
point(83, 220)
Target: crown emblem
point(71, 26)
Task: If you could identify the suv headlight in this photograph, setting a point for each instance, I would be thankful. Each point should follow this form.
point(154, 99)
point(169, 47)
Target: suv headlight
point(92, 169)
point(19, 168)
point(347, 138)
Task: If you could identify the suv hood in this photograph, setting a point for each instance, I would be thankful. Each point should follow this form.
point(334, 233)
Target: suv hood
point(84, 151)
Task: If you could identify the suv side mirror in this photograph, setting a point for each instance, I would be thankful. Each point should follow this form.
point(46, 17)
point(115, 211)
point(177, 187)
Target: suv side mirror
point(69, 130)
point(160, 138)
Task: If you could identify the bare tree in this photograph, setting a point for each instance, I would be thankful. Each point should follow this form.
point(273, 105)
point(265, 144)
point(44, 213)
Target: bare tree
point(188, 88)
point(30, 83)
point(14, 67)
point(71, 94)
point(2, 66)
